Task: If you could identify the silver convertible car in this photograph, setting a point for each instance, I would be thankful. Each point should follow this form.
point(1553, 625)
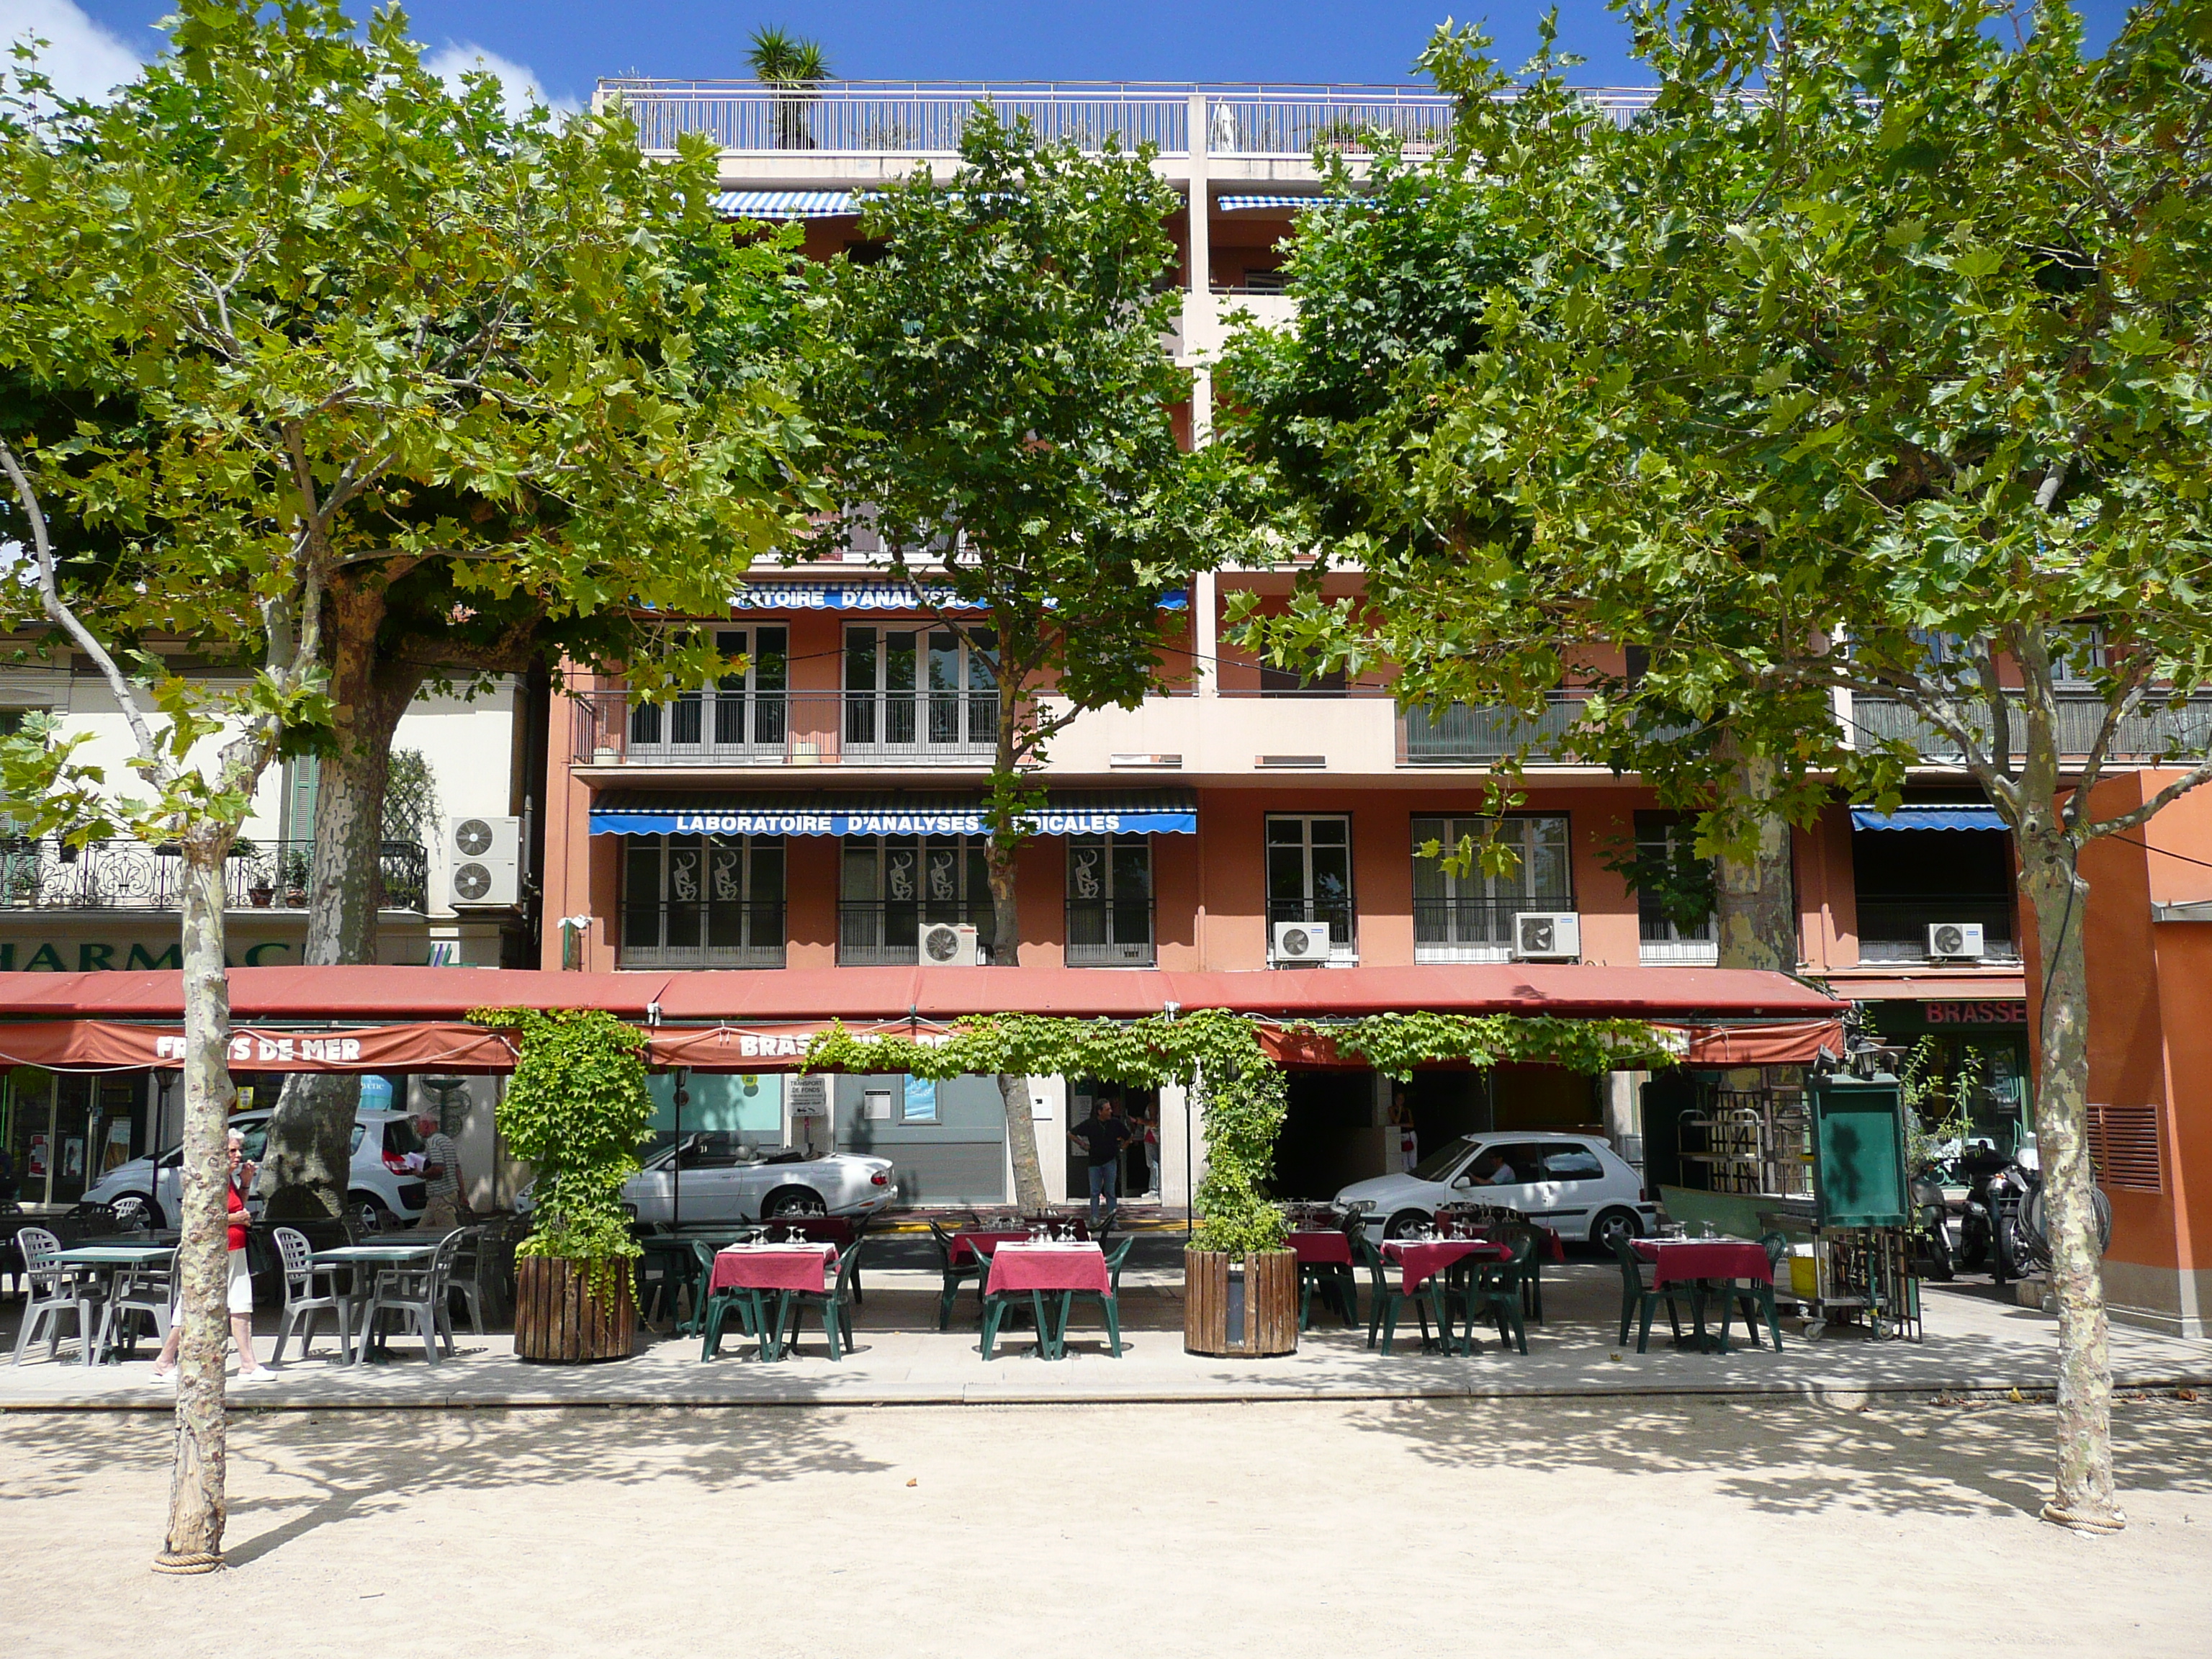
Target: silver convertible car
point(724, 1178)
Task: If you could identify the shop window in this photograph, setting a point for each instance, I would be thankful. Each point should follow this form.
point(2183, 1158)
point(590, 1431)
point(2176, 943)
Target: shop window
point(703, 902)
point(1907, 880)
point(1309, 876)
point(1469, 916)
point(1109, 901)
point(889, 886)
point(739, 715)
point(920, 692)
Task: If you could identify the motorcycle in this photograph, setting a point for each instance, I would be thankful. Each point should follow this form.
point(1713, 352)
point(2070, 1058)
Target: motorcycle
point(2031, 1244)
point(1936, 1230)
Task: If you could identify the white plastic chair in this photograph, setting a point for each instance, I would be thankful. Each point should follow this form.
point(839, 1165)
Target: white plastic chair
point(300, 1301)
point(417, 1296)
point(54, 1291)
point(148, 1288)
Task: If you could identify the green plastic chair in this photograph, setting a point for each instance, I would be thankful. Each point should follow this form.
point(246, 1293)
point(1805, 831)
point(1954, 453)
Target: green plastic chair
point(1108, 1304)
point(1639, 1297)
point(976, 1270)
point(1390, 1298)
point(1339, 1289)
point(834, 1304)
point(1497, 1290)
point(1755, 1299)
point(995, 1309)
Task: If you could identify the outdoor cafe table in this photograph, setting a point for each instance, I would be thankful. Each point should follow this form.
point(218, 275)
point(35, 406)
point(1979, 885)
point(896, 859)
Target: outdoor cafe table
point(1043, 1270)
point(783, 1271)
point(365, 1261)
point(1425, 1261)
point(110, 1259)
point(1708, 1266)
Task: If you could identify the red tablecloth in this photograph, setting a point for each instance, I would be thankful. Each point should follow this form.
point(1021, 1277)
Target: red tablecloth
point(1323, 1249)
point(963, 1244)
point(1677, 1260)
point(1049, 1268)
point(1418, 1259)
point(773, 1267)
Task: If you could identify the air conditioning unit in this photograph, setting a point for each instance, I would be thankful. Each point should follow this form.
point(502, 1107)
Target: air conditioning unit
point(949, 944)
point(1954, 941)
point(1300, 943)
point(1547, 936)
point(483, 862)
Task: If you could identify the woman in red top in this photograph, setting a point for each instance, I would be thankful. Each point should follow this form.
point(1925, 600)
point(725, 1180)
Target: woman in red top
point(241, 1283)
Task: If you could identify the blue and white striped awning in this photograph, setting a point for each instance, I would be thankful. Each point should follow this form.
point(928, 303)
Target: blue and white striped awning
point(1254, 204)
point(1075, 812)
point(787, 204)
point(1962, 815)
point(886, 595)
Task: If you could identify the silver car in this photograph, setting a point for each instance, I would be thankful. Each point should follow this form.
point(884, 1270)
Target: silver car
point(1574, 1184)
point(724, 1177)
point(382, 1191)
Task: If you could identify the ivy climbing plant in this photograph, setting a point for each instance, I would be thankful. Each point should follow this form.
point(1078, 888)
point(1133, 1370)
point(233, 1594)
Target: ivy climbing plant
point(1242, 1091)
point(577, 1111)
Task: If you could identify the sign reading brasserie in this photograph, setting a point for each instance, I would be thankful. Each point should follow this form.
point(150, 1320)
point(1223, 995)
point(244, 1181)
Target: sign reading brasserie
point(1974, 1013)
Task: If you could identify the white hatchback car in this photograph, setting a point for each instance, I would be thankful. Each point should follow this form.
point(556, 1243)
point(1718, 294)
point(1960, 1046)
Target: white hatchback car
point(1574, 1184)
point(383, 1191)
point(724, 1178)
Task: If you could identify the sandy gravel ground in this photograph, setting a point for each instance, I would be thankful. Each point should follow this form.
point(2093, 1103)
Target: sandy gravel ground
point(1616, 1527)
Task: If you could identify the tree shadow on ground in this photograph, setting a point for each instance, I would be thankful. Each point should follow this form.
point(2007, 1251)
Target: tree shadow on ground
point(1798, 1457)
point(317, 1469)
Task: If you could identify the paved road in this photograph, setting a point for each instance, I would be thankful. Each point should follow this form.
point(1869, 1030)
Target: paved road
point(1600, 1527)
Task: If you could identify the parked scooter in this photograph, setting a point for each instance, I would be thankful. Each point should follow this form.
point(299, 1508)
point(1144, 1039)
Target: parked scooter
point(1938, 1231)
point(2030, 1230)
point(1984, 1218)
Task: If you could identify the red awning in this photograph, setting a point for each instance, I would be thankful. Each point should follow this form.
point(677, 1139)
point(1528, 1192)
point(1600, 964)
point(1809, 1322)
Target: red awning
point(404, 1018)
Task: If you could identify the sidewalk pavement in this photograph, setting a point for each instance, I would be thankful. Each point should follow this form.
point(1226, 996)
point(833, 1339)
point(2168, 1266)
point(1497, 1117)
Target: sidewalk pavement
point(1976, 1342)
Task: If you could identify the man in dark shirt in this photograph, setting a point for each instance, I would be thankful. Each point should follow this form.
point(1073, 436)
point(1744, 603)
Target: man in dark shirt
point(1100, 1140)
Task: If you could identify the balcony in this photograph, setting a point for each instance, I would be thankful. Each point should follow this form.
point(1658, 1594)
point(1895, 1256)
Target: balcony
point(862, 119)
point(1468, 734)
point(867, 729)
point(713, 934)
point(1102, 934)
point(2143, 739)
point(120, 875)
point(1896, 930)
point(887, 933)
point(1342, 921)
point(1474, 929)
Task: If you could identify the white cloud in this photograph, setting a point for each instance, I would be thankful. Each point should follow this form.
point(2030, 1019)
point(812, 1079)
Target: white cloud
point(518, 82)
point(83, 59)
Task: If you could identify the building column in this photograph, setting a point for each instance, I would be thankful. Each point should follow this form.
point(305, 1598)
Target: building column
point(1624, 1115)
point(1198, 301)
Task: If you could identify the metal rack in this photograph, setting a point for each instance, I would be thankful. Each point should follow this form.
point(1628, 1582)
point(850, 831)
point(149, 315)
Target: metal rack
point(1864, 1275)
point(1750, 1140)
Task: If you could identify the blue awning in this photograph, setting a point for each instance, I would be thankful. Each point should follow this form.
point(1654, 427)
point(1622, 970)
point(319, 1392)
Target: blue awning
point(787, 204)
point(761, 812)
point(1254, 204)
point(875, 596)
point(1960, 817)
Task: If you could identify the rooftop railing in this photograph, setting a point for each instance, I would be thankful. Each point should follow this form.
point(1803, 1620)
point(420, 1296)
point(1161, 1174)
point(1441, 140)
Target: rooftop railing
point(130, 875)
point(927, 119)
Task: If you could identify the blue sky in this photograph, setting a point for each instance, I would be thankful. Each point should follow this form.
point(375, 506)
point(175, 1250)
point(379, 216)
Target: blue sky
point(567, 47)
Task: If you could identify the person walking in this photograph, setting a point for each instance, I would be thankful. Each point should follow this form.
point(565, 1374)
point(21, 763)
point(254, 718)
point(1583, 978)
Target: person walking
point(1101, 1139)
point(239, 1183)
point(445, 1209)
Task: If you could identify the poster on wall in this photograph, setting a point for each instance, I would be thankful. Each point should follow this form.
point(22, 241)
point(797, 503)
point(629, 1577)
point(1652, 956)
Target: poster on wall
point(118, 1151)
point(73, 1158)
point(34, 1157)
point(920, 1102)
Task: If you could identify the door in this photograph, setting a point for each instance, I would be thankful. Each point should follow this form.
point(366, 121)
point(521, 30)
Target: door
point(1573, 1184)
point(714, 1179)
point(1508, 1173)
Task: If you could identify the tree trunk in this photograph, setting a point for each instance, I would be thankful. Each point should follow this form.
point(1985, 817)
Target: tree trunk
point(306, 1170)
point(2083, 1496)
point(1006, 951)
point(197, 1508)
point(1755, 909)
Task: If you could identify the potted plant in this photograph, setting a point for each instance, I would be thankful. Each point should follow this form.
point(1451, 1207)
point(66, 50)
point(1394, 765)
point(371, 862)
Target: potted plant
point(1240, 1281)
point(576, 1109)
point(295, 880)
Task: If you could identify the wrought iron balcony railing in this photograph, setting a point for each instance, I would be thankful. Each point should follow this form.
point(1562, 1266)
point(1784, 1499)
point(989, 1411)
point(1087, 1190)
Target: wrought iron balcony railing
point(2146, 736)
point(788, 728)
point(1896, 930)
point(703, 934)
point(1105, 934)
point(1474, 929)
point(120, 875)
point(888, 932)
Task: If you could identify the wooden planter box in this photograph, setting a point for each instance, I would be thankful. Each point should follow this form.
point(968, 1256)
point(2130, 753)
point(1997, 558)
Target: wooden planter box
point(1268, 1313)
point(558, 1320)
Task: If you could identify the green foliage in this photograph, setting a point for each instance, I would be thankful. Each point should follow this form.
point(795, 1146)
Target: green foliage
point(410, 798)
point(1936, 1110)
point(576, 1110)
point(1242, 1091)
point(997, 408)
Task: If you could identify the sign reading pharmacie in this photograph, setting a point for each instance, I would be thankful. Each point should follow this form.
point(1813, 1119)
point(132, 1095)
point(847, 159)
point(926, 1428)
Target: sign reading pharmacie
point(935, 821)
point(93, 956)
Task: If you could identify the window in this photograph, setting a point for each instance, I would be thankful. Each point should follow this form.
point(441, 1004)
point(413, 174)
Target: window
point(1669, 880)
point(703, 902)
point(1110, 901)
point(1907, 879)
point(1469, 917)
point(738, 715)
point(920, 692)
point(890, 885)
point(1309, 876)
point(1564, 1161)
point(1300, 681)
point(2077, 655)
